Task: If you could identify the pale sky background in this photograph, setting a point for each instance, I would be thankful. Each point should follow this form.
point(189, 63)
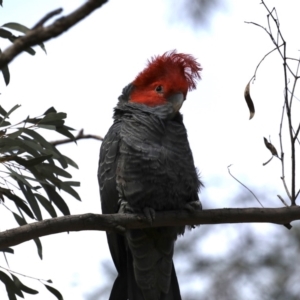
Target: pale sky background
point(83, 74)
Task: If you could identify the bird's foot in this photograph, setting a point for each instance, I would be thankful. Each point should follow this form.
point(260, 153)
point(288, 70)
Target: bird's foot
point(149, 214)
point(125, 208)
point(193, 206)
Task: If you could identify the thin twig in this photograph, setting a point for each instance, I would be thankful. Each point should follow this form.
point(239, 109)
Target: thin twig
point(293, 89)
point(228, 168)
point(79, 136)
point(254, 76)
point(14, 272)
point(282, 200)
point(47, 17)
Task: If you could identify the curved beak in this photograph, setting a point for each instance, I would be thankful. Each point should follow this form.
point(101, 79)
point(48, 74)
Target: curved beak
point(176, 100)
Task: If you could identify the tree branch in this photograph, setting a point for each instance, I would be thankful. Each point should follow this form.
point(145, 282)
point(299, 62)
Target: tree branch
point(119, 222)
point(79, 136)
point(40, 34)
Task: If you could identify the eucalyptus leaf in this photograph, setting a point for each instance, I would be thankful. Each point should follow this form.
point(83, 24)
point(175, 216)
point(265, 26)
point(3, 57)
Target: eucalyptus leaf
point(31, 200)
point(49, 127)
point(5, 33)
point(10, 286)
point(46, 204)
point(5, 72)
point(70, 162)
point(16, 134)
point(33, 161)
point(2, 111)
point(64, 131)
point(50, 110)
point(7, 250)
point(16, 26)
point(29, 50)
point(48, 168)
point(53, 116)
point(23, 287)
point(19, 203)
point(55, 292)
point(57, 199)
point(18, 177)
point(37, 241)
point(39, 247)
point(67, 188)
point(23, 29)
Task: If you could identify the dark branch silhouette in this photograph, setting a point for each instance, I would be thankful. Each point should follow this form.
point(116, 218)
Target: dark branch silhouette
point(79, 136)
point(120, 222)
point(40, 34)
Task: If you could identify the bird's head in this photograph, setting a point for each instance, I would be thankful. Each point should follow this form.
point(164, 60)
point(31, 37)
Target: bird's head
point(166, 79)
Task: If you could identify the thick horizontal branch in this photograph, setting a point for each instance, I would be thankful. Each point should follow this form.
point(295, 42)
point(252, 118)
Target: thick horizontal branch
point(40, 34)
point(116, 222)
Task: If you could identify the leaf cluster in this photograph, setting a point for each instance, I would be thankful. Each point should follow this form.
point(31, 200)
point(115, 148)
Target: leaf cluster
point(7, 34)
point(32, 172)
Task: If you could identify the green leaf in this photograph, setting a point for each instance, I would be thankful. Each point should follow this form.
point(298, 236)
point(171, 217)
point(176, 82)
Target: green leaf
point(11, 295)
point(16, 26)
point(50, 110)
point(10, 286)
point(37, 241)
point(2, 111)
point(8, 114)
point(7, 250)
point(23, 287)
point(64, 131)
point(49, 147)
point(57, 199)
point(12, 110)
point(4, 123)
point(70, 162)
point(29, 50)
point(67, 188)
point(5, 33)
point(53, 116)
point(19, 219)
point(5, 72)
point(50, 169)
point(19, 203)
point(23, 29)
point(47, 205)
point(39, 247)
point(55, 292)
point(31, 200)
point(33, 148)
point(73, 183)
point(33, 161)
point(48, 127)
point(19, 177)
point(16, 134)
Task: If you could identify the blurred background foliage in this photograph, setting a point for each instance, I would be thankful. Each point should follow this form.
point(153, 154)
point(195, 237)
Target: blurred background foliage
point(197, 14)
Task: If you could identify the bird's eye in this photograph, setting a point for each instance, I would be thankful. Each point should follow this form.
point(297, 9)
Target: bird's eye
point(159, 89)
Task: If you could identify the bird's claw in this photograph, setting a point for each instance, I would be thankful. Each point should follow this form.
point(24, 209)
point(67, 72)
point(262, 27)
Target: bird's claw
point(149, 214)
point(193, 206)
point(124, 207)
